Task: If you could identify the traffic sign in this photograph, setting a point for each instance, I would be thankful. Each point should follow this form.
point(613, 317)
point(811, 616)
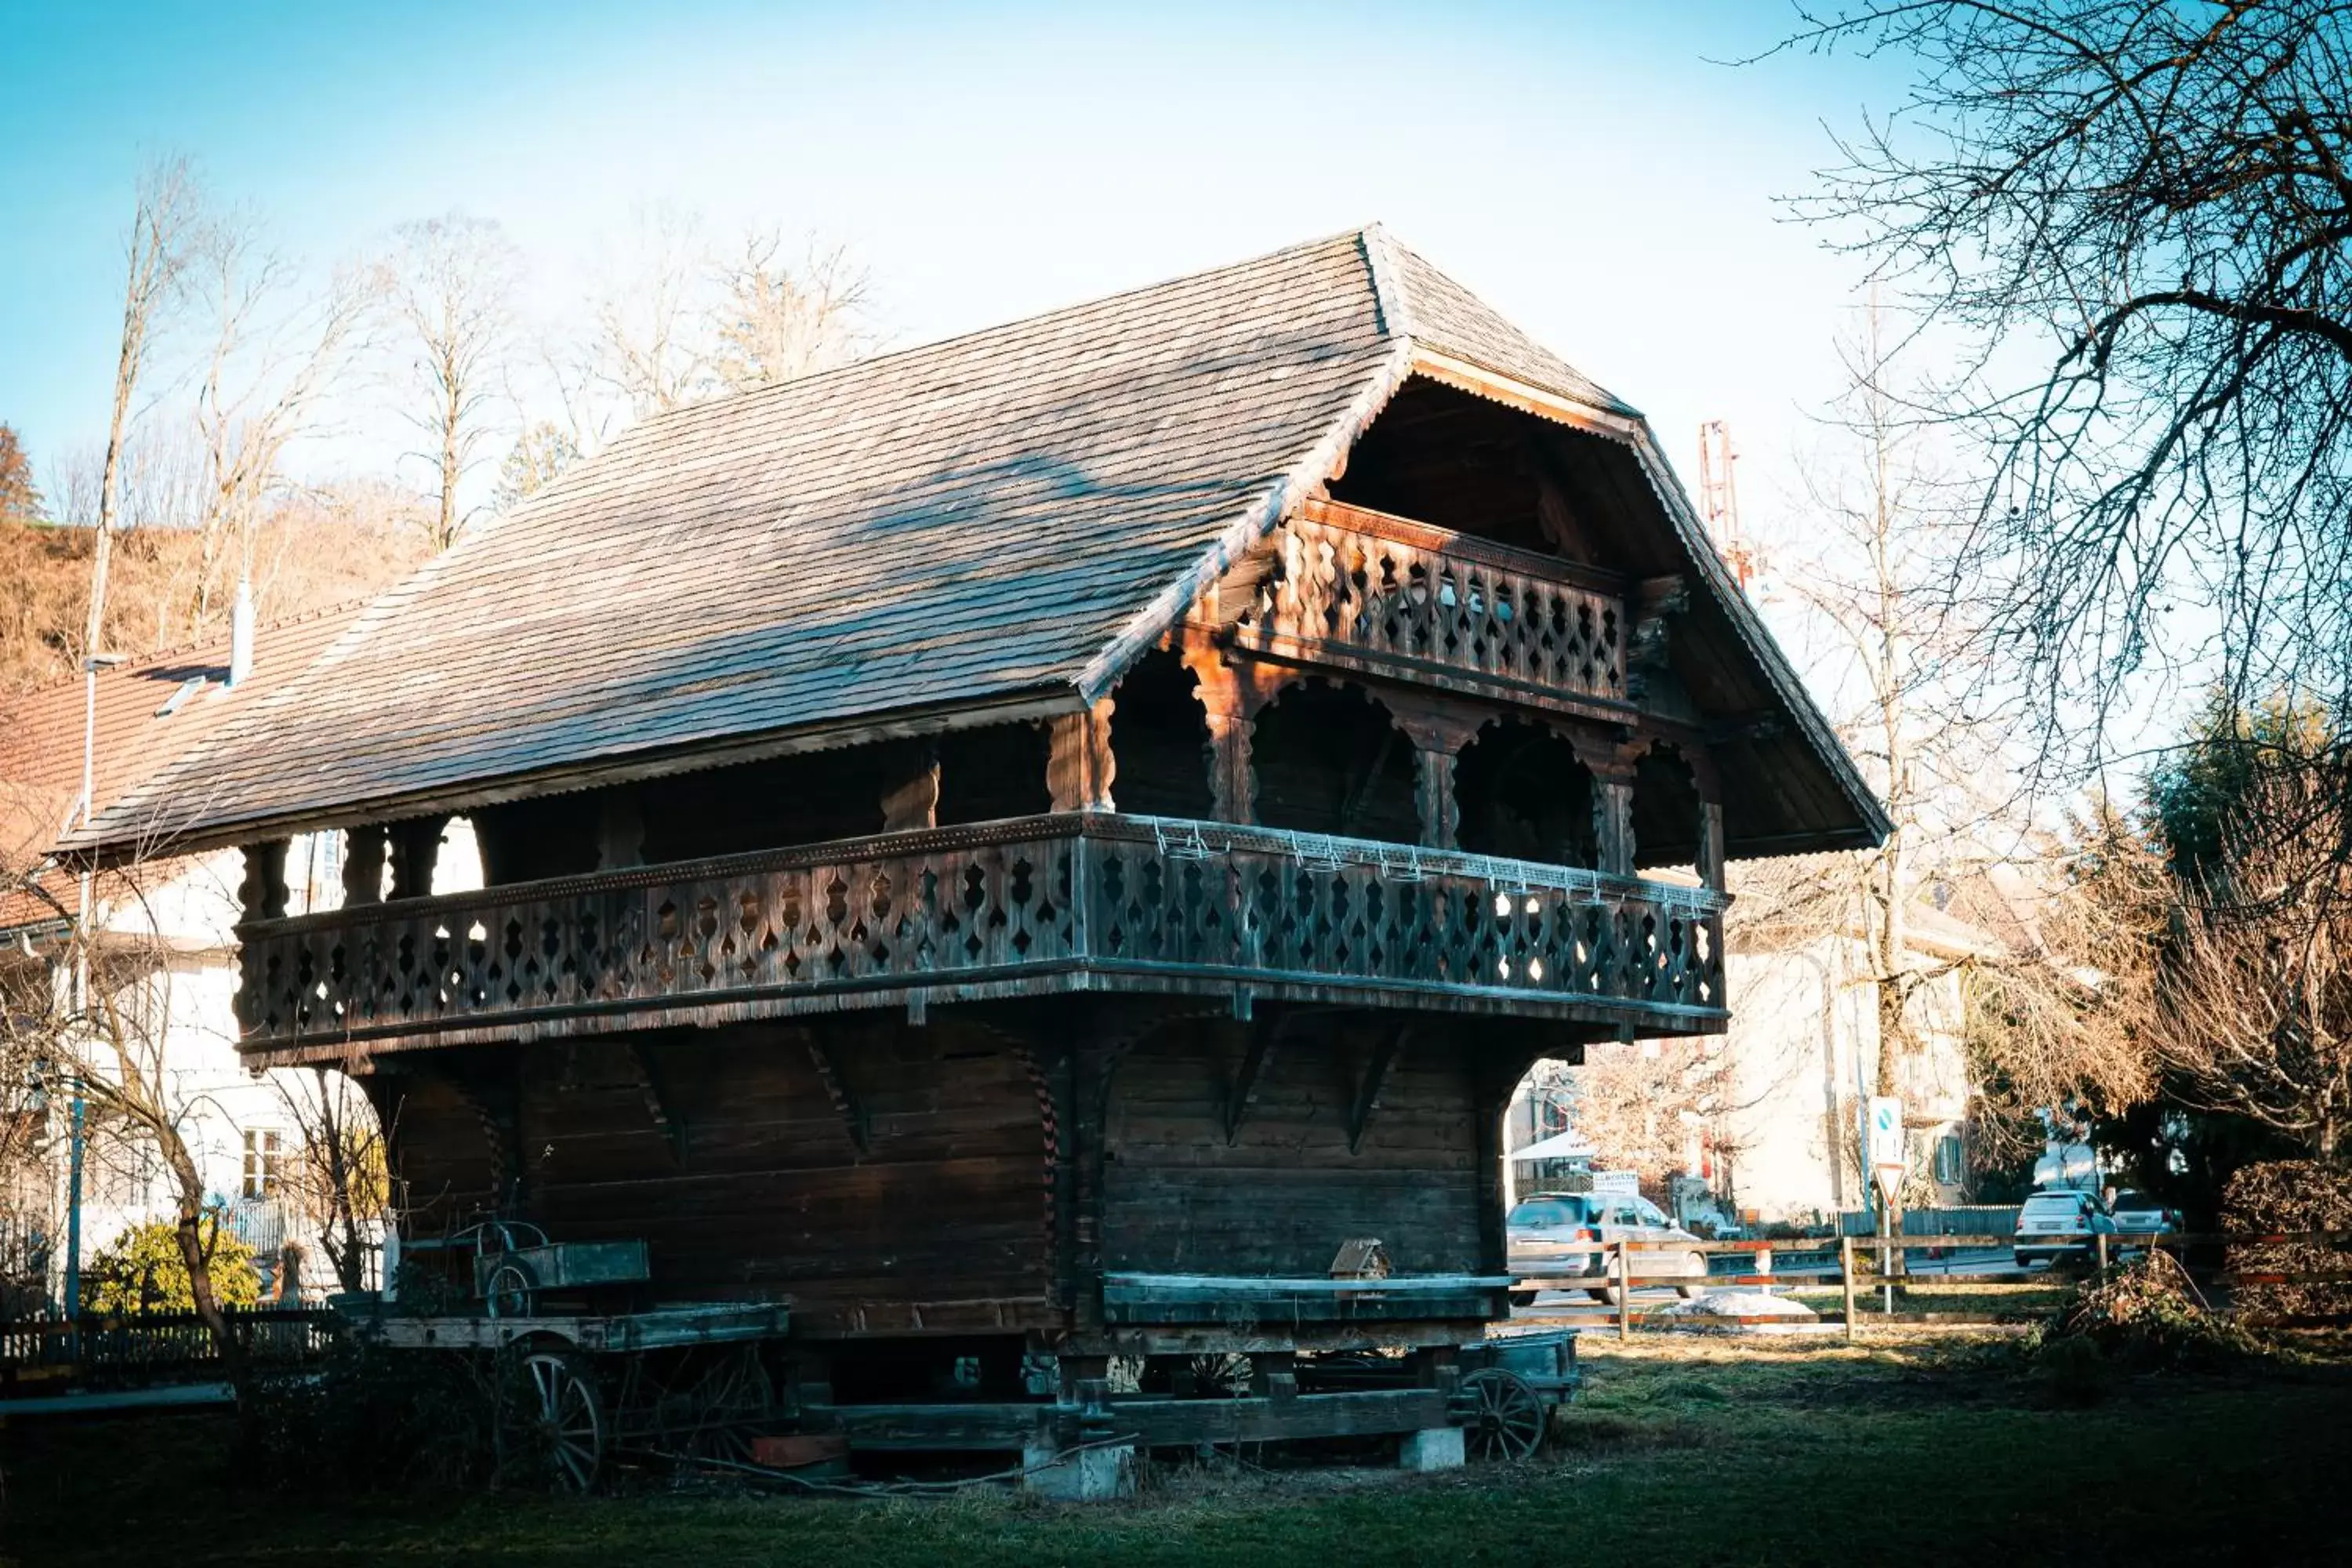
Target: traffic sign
point(1888, 1163)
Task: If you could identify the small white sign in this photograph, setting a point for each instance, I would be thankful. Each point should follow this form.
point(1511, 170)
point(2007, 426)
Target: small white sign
point(1888, 1163)
point(1621, 1183)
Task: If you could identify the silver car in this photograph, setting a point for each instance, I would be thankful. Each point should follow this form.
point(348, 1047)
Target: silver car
point(1561, 1240)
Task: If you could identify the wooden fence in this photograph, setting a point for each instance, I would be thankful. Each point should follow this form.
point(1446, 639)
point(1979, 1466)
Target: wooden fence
point(151, 1345)
point(1876, 1263)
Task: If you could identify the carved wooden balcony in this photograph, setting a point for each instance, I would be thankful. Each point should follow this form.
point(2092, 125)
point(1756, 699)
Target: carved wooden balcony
point(1364, 590)
point(1029, 906)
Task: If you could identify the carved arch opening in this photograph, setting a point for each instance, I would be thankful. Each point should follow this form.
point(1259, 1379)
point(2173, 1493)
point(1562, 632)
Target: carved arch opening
point(1329, 759)
point(1523, 792)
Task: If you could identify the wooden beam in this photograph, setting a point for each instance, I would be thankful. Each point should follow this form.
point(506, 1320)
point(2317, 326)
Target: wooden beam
point(1376, 1072)
point(415, 850)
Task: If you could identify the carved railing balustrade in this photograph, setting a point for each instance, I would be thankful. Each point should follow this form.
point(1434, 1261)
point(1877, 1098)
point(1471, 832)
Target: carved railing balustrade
point(1364, 590)
point(1023, 906)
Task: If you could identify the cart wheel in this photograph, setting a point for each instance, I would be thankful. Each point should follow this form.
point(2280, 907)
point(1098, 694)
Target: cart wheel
point(553, 1417)
point(1504, 1419)
point(507, 1294)
point(1223, 1375)
point(733, 1398)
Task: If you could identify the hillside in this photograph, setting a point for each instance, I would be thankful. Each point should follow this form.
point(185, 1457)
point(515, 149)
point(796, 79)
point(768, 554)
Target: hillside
point(307, 557)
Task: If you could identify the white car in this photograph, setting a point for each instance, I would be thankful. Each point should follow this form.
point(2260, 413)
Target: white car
point(2060, 1224)
point(1559, 1241)
point(2137, 1214)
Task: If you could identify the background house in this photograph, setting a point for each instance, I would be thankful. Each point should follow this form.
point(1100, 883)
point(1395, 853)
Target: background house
point(167, 919)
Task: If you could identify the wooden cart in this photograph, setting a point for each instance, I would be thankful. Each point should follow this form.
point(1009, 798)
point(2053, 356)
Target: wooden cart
point(585, 1366)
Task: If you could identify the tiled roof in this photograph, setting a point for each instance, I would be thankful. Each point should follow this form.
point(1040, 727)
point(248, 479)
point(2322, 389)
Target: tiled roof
point(999, 518)
point(148, 714)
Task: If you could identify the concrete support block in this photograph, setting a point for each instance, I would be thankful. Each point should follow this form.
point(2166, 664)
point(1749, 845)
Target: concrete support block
point(1431, 1448)
point(1091, 1475)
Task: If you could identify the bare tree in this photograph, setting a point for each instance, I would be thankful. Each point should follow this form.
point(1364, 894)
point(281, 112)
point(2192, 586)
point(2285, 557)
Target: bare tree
point(2252, 1013)
point(652, 345)
point(162, 219)
point(340, 1181)
point(452, 288)
point(270, 359)
point(2140, 213)
point(777, 322)
point(105, 1029)
point(1646, 1106)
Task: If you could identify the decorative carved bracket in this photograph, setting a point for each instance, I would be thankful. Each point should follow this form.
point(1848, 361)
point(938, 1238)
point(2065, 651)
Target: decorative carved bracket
point(363, 851)
point(1257, 1049)
point(1376, 1074)
point(914, 805)
point(657, 1105)
point(846, 1103)
point(416, 847)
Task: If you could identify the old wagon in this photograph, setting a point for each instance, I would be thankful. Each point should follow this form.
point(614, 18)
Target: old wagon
point(583, 1364)
point(799, 934)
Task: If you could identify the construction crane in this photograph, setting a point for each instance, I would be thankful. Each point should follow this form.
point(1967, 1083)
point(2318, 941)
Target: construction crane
point(1719, 500)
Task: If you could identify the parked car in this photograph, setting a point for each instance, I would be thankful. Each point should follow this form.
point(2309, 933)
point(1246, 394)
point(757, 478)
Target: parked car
point(2060, 1224)
point(2137, 1214)
point(1559, 1240)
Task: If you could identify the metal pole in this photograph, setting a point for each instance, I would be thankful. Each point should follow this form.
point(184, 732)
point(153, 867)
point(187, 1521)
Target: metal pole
point(73, 1226)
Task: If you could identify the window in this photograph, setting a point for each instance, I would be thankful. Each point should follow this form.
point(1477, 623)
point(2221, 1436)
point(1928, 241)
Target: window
point(261, 1157)
point(1949, 1158)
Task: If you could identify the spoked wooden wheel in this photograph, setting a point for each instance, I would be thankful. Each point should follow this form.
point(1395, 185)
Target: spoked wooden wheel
point(729, 1403)
point(1503, 1417)
point(555, 1421)
point(507, 1294)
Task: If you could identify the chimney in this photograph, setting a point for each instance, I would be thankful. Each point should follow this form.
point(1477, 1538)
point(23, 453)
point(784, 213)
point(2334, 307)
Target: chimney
point(240, 633)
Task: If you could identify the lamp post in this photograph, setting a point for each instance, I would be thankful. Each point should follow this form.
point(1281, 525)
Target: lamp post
point(85, 893)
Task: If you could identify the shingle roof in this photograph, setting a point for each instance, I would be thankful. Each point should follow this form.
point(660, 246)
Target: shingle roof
point(980, 520)
point(136, 738)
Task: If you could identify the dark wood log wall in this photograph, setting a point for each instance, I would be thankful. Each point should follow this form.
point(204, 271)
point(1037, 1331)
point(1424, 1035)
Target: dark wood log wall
point(736, 1155)
point(1286, 1190)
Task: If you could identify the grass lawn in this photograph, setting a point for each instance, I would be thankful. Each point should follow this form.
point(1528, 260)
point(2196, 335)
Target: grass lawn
point(1683, 1450)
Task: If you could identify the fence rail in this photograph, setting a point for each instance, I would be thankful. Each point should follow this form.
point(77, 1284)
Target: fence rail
point(1855, 1270)
point(156, 1342)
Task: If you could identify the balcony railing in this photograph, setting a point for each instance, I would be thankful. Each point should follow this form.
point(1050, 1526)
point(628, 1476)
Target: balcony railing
point(1031, 905)
point(1356, 587)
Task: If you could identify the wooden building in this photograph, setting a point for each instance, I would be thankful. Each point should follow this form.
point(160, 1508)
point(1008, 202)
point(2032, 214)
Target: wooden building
point(1031, 844)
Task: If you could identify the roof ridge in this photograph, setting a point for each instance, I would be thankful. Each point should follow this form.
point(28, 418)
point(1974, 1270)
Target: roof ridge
point(1013, 324)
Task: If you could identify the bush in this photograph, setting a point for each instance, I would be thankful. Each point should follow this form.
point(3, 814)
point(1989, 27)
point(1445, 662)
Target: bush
point(143, 1271)
point(373, 1419)
point(2290, 1195)
point(2146, 1316)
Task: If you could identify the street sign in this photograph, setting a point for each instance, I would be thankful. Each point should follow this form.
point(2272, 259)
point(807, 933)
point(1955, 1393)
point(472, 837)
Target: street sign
point(1887, 1165)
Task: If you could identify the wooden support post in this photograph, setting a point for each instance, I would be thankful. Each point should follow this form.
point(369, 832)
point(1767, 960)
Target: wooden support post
point(415, 848)
point(1079, 766)
point(1711, 844)
point(1438, 734)
point(363, 866)
point(1845, 1276)
point(913, 803)
point(1624, 1290)
point(1230, 699)
point(1612, 824)
point(2099, 1238)
point(262, 894)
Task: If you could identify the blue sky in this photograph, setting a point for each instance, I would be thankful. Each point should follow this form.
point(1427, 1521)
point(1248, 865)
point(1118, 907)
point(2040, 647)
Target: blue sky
point(1586, 167)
